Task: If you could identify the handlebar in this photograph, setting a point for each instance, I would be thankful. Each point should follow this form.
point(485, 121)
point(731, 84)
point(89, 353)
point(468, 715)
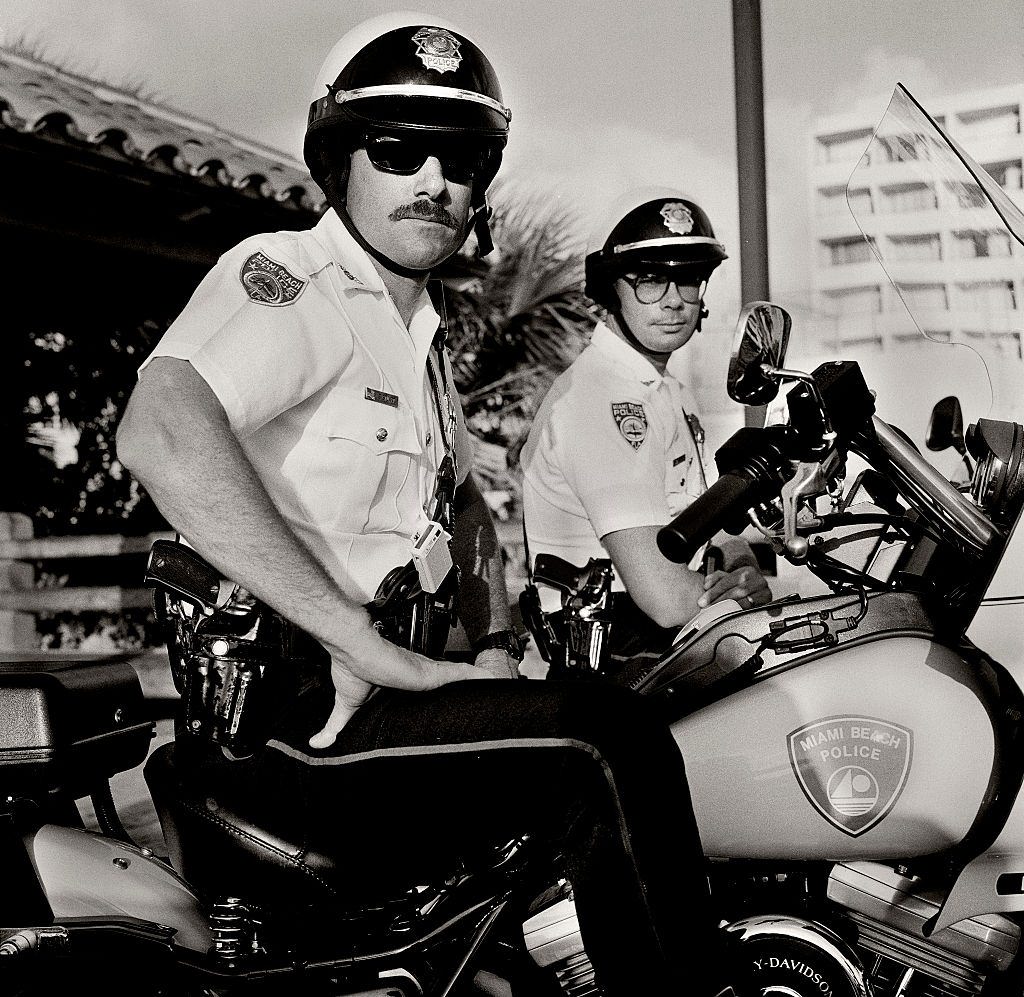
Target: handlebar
point(730, 496)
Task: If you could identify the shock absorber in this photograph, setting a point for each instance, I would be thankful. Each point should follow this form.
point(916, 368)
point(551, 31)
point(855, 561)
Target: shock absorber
point(233, 928)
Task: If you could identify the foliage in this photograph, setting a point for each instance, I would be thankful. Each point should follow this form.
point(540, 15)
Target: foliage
point(517, 323)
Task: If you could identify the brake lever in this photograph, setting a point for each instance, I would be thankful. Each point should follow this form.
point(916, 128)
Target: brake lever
point(809, 481)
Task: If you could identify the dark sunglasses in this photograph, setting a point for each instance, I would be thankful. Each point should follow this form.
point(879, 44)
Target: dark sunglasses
point(462, 161)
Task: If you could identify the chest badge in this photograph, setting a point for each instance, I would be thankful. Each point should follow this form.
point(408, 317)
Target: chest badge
point(632, 422)
point(268, 282)
point(438, 49)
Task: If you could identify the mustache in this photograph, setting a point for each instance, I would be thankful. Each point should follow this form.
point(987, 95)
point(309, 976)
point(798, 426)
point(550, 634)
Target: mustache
point(424, 208)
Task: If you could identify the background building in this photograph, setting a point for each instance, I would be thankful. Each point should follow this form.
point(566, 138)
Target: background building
point(961, 276)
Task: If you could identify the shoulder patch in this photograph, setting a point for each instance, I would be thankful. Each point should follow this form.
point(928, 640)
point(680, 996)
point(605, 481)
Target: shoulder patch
point(632, 422)
point(268, 282)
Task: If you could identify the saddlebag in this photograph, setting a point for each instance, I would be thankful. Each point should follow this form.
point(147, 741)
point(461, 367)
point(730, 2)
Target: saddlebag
point(67, 725)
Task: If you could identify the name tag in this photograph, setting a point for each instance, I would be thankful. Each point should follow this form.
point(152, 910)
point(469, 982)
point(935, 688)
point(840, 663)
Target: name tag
point(381, 396)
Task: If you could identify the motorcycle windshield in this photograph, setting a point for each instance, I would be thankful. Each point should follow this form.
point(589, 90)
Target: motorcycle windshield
point(951, 242)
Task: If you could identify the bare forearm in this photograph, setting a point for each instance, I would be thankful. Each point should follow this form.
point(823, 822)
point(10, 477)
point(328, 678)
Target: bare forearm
point(201, 480)
point(483, 597)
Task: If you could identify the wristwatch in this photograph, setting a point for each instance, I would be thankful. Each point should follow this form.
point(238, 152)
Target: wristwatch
point(507, 640)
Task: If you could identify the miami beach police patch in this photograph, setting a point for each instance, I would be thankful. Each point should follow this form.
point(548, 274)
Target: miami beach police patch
point(851, 769)
point(267, 282)
point(632, 422)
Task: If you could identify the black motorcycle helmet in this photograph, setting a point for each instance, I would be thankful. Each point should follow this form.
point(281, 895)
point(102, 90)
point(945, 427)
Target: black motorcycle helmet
point(406, 74)
point(650, 228)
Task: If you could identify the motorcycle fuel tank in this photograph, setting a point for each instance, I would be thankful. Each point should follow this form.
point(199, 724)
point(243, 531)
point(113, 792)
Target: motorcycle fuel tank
point(872, 750)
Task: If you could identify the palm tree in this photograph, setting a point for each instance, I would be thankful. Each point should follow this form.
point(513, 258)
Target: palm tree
point(517, 320)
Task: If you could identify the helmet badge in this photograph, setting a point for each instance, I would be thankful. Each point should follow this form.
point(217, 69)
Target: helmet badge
point(438, 49)
point(678, 219)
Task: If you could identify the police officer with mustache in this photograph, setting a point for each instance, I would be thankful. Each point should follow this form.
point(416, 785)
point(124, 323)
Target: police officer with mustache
point(294, 424)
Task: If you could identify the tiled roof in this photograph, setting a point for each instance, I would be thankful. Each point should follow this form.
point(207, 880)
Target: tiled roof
point(36, 96)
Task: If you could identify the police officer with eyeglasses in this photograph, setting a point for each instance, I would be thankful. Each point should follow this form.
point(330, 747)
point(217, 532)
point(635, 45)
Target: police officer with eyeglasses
point(616, 449)
point(294, 424)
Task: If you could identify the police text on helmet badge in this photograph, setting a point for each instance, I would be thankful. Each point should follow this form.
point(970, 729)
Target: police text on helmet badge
point(438, 49)
point(677, 217)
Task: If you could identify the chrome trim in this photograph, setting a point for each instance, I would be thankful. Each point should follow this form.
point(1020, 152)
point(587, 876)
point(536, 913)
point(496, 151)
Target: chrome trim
point(674, 240)
point(817, 936)
point(424, 90)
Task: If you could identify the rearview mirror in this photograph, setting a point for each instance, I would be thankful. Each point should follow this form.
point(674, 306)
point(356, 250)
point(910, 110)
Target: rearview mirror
point(946, 426)
point(758, 347)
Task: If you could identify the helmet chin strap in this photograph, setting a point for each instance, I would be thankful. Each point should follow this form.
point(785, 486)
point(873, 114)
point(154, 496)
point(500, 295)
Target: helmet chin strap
point(632, 340)
point(623, 325)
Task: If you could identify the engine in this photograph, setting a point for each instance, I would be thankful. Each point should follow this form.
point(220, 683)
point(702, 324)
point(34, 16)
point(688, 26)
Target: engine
point(891, 912)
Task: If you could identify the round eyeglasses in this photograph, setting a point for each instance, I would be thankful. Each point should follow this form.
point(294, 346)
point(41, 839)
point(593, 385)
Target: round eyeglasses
point(650, 288)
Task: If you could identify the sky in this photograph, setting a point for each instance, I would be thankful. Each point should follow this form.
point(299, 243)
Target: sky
point(605, 95)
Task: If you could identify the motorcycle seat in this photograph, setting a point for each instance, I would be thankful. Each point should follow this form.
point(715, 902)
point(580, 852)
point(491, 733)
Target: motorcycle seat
point(270, 835)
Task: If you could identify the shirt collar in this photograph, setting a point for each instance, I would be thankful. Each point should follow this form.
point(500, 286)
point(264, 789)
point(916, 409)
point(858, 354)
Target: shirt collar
point(340, 248)
point(626, 360)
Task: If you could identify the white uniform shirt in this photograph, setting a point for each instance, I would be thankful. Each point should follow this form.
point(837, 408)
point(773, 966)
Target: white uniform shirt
point(327, 391)
point(611, 449)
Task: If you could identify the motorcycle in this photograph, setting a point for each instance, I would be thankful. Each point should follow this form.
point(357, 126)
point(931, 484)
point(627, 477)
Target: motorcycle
point(855, 758)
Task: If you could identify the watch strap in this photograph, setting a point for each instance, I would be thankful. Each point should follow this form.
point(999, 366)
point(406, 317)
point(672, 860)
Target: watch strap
point(506, 640)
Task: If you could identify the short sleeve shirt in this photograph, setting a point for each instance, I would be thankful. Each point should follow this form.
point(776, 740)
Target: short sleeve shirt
point(328, 392)
point(611, 449)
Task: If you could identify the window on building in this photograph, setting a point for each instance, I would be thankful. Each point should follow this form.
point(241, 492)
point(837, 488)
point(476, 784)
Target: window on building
point(971, 244)
point(967, 195)
point(863, 344)
point(897, 148)
point(831, 201)
point(1006, 173)
point(860, 201)
point(904, 197)
point(915, 247)
point(1003, 120)
point(921, 339)
point(922, 297)
point(839, 252)
point(854, 300)
point(987, 295)
point(842, 147)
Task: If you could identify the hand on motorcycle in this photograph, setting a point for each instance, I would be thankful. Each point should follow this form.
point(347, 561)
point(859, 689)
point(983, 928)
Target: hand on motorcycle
point(369, 661)
point(745, 584)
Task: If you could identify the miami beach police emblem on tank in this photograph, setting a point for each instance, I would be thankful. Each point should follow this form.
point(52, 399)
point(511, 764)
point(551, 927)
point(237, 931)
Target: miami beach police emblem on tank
point(851, 769)
point(438, 49)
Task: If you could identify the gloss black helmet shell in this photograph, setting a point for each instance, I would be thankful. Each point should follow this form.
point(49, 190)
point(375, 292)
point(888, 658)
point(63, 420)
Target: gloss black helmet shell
point(651, 227)
point(404, 72)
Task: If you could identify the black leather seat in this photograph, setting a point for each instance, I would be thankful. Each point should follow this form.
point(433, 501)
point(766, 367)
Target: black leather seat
point(277, 832)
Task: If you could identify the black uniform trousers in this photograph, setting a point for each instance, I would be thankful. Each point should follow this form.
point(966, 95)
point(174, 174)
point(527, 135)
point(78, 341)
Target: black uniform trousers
point(588, 764)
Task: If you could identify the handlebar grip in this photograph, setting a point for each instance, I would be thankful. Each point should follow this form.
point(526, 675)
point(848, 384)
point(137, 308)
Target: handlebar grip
point(730, 496)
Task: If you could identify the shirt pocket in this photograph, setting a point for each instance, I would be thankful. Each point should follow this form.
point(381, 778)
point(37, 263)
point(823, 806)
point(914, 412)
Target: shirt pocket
point(369, 459)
